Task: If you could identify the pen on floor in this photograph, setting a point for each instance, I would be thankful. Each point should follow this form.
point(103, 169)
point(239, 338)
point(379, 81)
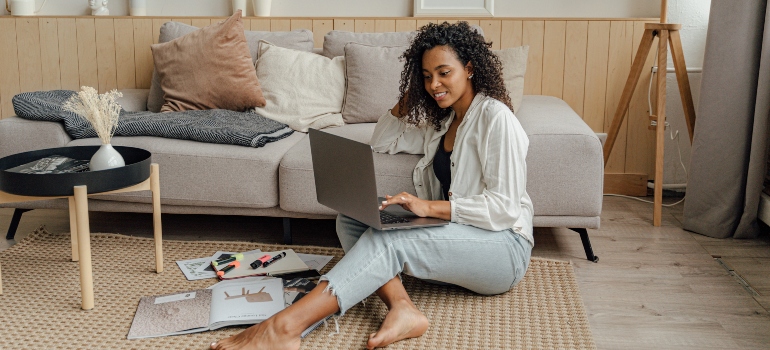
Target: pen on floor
point(257, 263)
point(234, 257)
point(273, 259)
point(227, 268)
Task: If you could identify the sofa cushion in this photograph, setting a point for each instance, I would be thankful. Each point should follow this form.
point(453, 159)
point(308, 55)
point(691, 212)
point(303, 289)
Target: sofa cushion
point(301, 39)
point(514, 62)
point(206, 174)
point(297, 184)
point(133, 100)
point(335, 40)
point(210, 68)
point(302, 89)
point(564, 164)
point(21, 135)
point(372, 75)
point(565, 161)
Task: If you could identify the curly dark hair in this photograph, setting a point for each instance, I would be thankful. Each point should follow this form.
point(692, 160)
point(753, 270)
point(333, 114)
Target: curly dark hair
point(419, 106)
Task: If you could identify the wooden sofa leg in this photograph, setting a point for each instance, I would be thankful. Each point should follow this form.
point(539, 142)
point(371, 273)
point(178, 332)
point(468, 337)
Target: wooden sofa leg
point(15, 222)
point(586, 244)
point(286, 230)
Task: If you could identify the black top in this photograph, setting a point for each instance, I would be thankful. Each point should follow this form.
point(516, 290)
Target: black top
point(441, 166)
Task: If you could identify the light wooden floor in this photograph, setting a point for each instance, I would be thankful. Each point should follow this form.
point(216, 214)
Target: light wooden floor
point(653, 288)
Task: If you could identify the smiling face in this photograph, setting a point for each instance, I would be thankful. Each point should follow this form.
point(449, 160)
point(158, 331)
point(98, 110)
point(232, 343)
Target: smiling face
point(446, 79)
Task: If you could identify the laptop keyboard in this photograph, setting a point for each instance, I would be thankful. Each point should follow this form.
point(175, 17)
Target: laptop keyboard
point(387, 218)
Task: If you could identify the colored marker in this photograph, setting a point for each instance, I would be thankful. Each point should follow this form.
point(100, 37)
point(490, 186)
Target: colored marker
point(273, 259)
point(257, 263)
point(235, 257)
point(227, 268)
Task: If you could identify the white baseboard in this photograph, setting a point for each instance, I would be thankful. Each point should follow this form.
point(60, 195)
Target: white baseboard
point(764, 208)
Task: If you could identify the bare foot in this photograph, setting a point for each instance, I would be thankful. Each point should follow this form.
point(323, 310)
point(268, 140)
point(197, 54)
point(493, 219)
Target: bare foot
point(403, 321)
point(266, 335)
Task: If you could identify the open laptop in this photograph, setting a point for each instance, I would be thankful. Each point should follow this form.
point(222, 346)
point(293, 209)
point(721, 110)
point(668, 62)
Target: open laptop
point(344, 181)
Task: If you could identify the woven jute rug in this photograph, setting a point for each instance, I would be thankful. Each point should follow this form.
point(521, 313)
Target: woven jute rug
point(40, 304)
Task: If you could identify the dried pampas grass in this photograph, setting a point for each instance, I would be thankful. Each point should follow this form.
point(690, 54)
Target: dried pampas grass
point(100, 110)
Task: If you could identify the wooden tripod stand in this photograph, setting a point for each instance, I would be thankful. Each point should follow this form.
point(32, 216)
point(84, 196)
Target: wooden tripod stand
point(668, 34)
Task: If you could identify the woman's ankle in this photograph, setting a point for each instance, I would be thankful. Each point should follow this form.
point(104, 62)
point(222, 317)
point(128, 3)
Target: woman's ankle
point(285, 325)
point(402, 302)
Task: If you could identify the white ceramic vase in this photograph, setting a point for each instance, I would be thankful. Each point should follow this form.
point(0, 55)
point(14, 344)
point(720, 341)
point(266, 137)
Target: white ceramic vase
point(22, 7)
point(137, 7)
point(106, 158)
point(239, 5)
point(262, 8)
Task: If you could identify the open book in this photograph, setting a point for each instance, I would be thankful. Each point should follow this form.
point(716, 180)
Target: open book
point(240, 302)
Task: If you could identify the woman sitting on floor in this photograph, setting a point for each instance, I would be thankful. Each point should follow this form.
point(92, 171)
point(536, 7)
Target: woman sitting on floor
point(453, 108)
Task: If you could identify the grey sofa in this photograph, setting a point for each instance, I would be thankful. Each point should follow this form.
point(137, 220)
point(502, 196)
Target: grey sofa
point(564, 163)
point(564, 170)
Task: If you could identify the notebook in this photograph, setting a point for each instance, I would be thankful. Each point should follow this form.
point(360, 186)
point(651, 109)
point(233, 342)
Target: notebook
point(289, 263)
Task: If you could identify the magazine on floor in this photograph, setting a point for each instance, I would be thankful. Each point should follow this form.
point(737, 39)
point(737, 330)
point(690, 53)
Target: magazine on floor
point(245, 301)
point(54, 164)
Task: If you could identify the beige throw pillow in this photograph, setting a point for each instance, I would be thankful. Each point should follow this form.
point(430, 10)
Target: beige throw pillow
point(373, 74)
point(514, 62)
point(303, 90)
point(208, 69)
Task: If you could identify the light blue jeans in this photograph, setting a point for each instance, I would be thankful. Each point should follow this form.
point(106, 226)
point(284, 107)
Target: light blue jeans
point(485, 262)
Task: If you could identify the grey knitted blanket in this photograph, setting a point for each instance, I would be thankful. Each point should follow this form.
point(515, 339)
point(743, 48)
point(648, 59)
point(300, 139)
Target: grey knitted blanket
point(213, 126)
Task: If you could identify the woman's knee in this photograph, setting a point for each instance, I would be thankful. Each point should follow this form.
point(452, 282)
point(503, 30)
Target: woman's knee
point(349, 231)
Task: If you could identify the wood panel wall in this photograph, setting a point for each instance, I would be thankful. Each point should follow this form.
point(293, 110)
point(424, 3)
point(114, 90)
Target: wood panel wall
point(583, 61)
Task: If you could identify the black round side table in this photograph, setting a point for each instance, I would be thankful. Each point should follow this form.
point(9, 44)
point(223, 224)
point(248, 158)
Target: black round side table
point(139, 174)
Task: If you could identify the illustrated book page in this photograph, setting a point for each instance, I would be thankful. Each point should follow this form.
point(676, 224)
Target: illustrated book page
point(245, 301)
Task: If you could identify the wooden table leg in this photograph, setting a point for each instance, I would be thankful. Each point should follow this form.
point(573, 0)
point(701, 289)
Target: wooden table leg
point(157, 229)
point(73, 229)
point(660, 131)
point(84, 248)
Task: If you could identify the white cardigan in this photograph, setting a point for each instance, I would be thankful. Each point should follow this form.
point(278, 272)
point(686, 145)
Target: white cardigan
point(489, 172)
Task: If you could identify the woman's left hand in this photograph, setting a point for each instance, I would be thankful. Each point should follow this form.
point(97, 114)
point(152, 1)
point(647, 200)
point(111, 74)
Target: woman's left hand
point(419, 207)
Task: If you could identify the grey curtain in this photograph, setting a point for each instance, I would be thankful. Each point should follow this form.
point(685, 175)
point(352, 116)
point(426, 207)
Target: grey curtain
point(729, 151)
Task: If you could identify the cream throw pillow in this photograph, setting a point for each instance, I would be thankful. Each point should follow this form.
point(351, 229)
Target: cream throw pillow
point(302, 89)
point(514, 67)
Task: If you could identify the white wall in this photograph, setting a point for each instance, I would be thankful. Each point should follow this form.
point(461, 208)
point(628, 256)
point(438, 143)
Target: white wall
point(363, 8)
point(694, 16)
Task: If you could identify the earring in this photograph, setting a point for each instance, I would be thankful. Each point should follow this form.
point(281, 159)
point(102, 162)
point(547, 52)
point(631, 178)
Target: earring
point(470, 76)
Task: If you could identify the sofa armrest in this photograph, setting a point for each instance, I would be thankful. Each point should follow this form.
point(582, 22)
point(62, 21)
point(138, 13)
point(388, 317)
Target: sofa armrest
point(134, 100)
point(21, 135)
